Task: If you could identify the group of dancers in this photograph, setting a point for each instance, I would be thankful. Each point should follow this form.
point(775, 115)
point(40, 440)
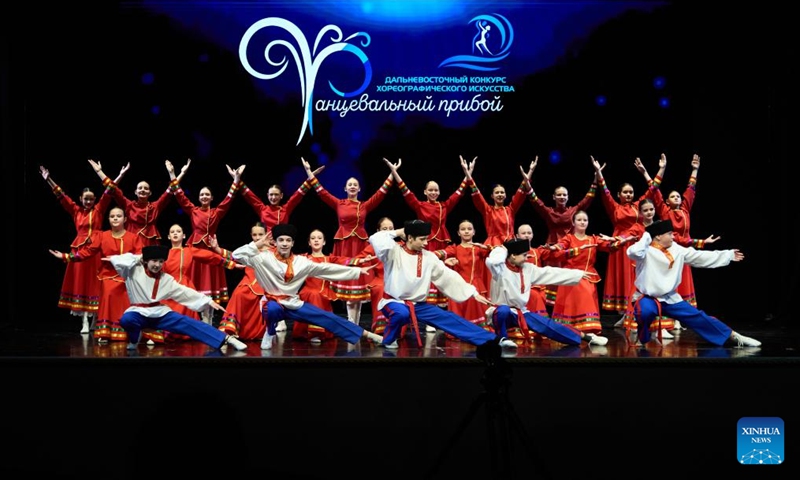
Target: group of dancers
point(503, 292)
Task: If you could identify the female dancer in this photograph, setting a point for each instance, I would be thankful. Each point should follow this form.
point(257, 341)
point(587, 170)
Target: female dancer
point(80, 288)
point(317, 291)
point(242, 317)
point(273, 212)
point(208, 278)
point(434, 212)
point(558, 218)
point(577, 305)
point(624, 215)
point(113, 297)
point(142, 214)
point(469, 260)
point(351, 237)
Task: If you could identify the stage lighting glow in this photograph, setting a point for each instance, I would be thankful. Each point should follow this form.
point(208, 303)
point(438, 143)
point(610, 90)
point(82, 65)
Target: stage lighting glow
point(203, 58)
point(659, 82)
point(663, 102)
point(322, 158)
point(411, 13)
point(148, 78)
point(316, 148)
point(601, 100)
point(555, 157)
point(155, 110)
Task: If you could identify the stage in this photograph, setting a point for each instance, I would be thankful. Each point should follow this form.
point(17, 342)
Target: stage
point(79, 410)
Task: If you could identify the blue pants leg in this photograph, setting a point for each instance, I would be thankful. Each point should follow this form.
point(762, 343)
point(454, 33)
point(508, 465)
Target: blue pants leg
point(708, 327)
point(452, 324)
point(553, 330)
point(272, 312)
point(397, 315)
point(331, 322)
point(133, 322)
point(502, 319)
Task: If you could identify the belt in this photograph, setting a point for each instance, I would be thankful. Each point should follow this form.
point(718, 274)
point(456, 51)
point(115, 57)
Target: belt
point(414, 324)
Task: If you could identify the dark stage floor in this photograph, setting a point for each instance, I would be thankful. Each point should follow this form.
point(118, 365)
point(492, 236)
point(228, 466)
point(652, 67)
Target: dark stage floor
point(76, 410)
point(779, 341)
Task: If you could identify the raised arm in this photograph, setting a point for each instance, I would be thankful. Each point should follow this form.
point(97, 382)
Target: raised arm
point(393, 167)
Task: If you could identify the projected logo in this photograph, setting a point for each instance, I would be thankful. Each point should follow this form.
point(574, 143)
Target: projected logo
point(490, 44)
point(307, 60)
point(760, 441)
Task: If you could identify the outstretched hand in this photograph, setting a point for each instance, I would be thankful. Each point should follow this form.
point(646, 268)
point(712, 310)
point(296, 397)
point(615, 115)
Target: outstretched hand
point(365, 270)
point(737, 255)
point(45, 173)
point(711, 239)
point(216, 306)
point(481, 299)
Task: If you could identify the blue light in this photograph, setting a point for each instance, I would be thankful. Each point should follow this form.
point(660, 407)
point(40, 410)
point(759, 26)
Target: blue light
point(155, 110)
point(355, 135)
point(600, 100)
point(203, 58)
point(659, 82)
point(322, 159)
point(663, 102)
point(316, 148)
point(148, 78)
point(555, 157)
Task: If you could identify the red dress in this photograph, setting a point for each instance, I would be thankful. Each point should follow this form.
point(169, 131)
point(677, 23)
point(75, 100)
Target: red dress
point(242, 315)
point(680, 224)
point(141, 217)
point(208, 278)
point(577, 305)
point(435, 213)
point(559, 223)
point(114, 297)
point(351, 236)
point(317, 292)
point(271, 215)
point(620, 269)
point(472, 268)
point(537, 303)
point(80, 288)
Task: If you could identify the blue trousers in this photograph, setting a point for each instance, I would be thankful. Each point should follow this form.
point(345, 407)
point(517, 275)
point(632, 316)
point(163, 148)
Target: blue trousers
point(273, 312)
point(398, 314)
point(708, 327)
point(504, 317)
point(134, 322)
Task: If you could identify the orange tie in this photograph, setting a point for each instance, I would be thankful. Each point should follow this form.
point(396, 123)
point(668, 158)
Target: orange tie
point(289, 275)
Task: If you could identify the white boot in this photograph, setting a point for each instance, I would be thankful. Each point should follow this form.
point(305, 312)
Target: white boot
point(281, 327)
point(235, 342)
point(85, 325)
point(621, 322)
point(266, 342)
point(374, 337)
point(666, 335)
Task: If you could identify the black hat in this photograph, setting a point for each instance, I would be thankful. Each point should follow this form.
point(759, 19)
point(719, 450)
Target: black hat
point(155, 252)
point(659, 227)
point(282, 229)
point(417, 228)
point(516, 247)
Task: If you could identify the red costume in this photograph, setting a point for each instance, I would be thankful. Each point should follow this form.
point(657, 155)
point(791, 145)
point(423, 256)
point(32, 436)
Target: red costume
point(142, 215)
point(351, 236)
point(472, 268)
point(208, 278)
point(113, 298)
point(619, 272)
point(271, 215)
point(80, 289)
point(577, 305)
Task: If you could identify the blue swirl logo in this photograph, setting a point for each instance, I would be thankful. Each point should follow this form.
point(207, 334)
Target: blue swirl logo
point(491, 44)
point(308, 61)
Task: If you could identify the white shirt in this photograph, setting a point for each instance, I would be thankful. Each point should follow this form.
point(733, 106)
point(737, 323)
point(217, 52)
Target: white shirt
point(408, 276)
point(507, 286)
point(142, 288)
point(270, 272)
point(656, 279)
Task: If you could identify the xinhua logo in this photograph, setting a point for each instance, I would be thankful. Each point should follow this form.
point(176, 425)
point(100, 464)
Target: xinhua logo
point(760, 441)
